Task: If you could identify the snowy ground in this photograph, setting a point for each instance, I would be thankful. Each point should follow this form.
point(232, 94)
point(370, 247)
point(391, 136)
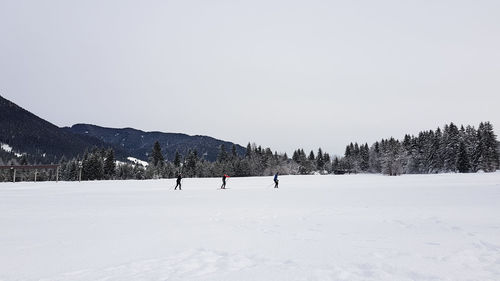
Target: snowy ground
point(358, 227)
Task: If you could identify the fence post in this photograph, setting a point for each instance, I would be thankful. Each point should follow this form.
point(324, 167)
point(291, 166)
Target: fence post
point(36, 172)
point(14, 176)
point(57, 174)
point(80, 167)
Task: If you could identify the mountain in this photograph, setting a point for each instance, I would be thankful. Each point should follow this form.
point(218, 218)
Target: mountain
point(23, 132)
point(138, 144)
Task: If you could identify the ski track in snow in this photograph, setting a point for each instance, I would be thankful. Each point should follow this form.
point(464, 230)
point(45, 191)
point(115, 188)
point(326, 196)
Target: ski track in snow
point(360, 227)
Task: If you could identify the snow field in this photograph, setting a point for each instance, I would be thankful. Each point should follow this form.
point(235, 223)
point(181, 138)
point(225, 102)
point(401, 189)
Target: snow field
point(353, 227)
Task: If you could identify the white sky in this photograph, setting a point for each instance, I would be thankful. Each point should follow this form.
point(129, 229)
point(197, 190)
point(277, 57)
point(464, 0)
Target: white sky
point(284, 74)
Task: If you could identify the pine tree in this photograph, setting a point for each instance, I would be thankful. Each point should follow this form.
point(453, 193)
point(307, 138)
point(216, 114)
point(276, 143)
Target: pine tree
point(348, 157)
point(234, 154)
point(436, 153)
point(248, 153)
point(259, 150)
point(391, 160)
point(471, 141)
point(488, 148)
point(364, 155)
point(320, 161)
point(336, 164)
point(191, 162)
point(426, 152)
point(450, 144)
point(463, 164)
point(177, 159)
point(327, 163)
point(374, 159)
point(157, 158)
point(93, 166)
point(109, 164)
point(222, 157)
point(295, 156)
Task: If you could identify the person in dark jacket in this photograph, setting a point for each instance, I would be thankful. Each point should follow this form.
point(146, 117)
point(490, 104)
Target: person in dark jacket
point(276, 180)
point(179, 178)
point(223, 186)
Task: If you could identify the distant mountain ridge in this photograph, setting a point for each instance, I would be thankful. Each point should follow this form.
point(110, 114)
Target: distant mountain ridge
point(139, 143)
point(44, 142)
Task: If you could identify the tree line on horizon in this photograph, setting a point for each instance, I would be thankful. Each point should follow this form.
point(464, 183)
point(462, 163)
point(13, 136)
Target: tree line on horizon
point(451, 149)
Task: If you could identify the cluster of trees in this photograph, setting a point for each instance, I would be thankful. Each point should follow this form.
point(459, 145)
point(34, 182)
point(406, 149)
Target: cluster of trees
point(453, 149)
point(256, 162)
point(321, 162)
point(97, 164)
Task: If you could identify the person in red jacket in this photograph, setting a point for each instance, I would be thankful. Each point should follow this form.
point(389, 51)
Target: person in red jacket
point(223, 186)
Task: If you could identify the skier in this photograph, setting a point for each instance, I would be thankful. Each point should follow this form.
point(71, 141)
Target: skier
point(179, 178)
point(276, 180)
point(223, 186)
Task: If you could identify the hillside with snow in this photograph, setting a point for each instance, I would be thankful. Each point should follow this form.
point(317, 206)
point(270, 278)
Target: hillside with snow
point(362, 227)
point(25, 133)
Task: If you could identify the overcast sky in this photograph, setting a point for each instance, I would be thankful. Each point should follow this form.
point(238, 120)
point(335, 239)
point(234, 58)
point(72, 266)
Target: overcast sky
point(284, 74)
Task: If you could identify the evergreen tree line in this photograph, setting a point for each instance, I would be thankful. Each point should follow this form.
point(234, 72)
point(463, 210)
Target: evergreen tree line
point(452, 149)
point(256, 162)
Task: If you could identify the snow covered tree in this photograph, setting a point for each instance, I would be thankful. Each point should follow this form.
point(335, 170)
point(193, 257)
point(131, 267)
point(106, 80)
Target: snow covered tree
point(463, 164)
point(177, 159)
point(93, 165)
point(222, 157)
point(248, 153)
point(435, 157)
point(157, 158)
point(392, 152)
point(327, 163)
point(364, 157)
point(311, 156)
point(191, 161)
point(348, 157)
point(487, 148)
point(234, 154)
point(335, 164)
point(374, 160)
point(450, 143)
point(109, 164)
point(320, 161)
